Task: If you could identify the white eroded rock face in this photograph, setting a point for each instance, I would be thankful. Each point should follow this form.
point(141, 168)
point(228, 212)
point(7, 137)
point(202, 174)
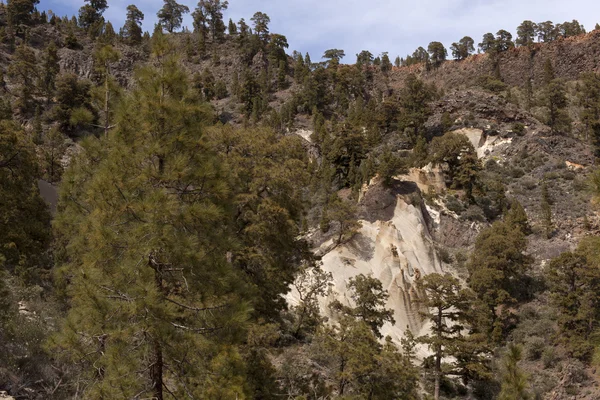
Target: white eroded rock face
point(5, 396)
point(430, 177)
point(483, 144)
point(396, 252)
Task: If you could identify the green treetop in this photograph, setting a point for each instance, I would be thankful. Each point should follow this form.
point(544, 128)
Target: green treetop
point(261, 25)
point(463, 48)
point(457, 152)
point(208, 16)
point(504, 41)
point(488, 43)
point(170, 16)
point(20, 11)
point(369, 300)
point(526, 33)
point(437, 53)
point(547, 31)
point(365, 58)
point(334, 56)
point(132, 30)
point(90, 14)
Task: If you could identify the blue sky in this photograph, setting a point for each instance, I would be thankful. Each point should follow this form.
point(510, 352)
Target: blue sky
point(395, 26)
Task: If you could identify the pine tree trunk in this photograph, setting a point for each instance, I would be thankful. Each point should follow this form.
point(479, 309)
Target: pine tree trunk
point(438, 373)
point(156, 371)
point(342, 383)
point(106, 107)
point(438, 354)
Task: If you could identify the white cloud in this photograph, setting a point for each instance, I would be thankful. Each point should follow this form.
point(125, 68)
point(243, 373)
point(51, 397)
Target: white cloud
point(396, 26)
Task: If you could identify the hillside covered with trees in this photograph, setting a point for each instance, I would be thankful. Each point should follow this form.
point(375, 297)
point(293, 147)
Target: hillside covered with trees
point(201, 213)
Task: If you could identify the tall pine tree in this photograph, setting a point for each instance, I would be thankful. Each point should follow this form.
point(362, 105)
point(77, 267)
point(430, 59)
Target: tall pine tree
point(143, 223)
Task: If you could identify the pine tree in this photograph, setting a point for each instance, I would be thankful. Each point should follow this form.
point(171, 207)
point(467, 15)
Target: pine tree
point(549, 74)
point(445, 304)
point(574, 286)
point(568, 29)
point(529, 94)
point(91, 14)
point(170, 16)
point(589, 99)
point(20, 11)
point(249, 92)
point(308, 61)
point(526, 33)
point(420, 155)
point(50, 69)
point(244, 31)
point(463, 48)
point(503, 41)
point(300, 69)
point(556, 101)
point(108, 34)
point(386, 65)
point(368, 303)
point(459, 154)
point(25, 222)
point(437, 53)
point(261, 25)
point(74, 109)
point(496, 270)
point(232, 28)
point(363, 368)
point(547, 32)
point(53, 149)
point(488, 44)
point(413, 100)
point(546, 209)
point(71, 40)
point(517, 217)
point(235, 86)
point(105, 96)
point(143, 221)
point(390, 165)
point(270, 172)
point(310, 284)
point(132, 30)
point(364, 58)
point(514, 381)
point(209, 16)
point(282, 75)
point(25, 73)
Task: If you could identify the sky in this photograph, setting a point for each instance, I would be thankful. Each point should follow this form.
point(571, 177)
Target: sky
point(394, 26)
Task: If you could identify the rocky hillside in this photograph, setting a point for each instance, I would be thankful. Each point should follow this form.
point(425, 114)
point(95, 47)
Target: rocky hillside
point(570, 58)
point(309, 230)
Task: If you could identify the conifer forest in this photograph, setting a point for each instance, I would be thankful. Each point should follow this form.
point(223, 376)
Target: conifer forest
point(194, 210)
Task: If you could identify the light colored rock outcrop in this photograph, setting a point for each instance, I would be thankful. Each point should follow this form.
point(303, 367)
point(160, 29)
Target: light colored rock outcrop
point(483, 144)
point(304, 134)
point(397, 252)
point(430, 177)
